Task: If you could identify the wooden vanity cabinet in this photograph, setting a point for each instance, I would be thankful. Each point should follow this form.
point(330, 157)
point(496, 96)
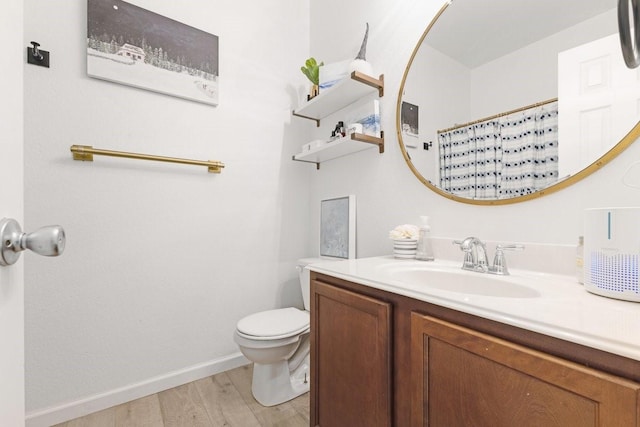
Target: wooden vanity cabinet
point(382, 359)
point(351, 358)
point(467, 378)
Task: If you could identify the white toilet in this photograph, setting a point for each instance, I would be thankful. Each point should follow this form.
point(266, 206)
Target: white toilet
point(277, 341)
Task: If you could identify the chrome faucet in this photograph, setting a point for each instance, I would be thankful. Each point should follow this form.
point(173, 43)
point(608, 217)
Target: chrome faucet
point(475, 256)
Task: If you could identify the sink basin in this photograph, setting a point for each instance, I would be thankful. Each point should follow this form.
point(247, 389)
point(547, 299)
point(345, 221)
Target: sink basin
point(460, 281)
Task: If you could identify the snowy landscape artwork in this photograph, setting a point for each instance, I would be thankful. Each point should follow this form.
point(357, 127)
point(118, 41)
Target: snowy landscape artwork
point(134, 46)
point(338, 227)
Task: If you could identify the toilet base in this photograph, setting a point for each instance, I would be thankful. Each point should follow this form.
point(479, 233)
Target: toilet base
point(274, 383)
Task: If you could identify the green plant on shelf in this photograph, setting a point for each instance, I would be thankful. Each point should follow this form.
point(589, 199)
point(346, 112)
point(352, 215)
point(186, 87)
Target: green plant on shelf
point(311, 69)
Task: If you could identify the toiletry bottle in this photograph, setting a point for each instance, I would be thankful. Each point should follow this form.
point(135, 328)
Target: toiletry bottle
point(580, 260)
point(338, 130)
point(425, 249)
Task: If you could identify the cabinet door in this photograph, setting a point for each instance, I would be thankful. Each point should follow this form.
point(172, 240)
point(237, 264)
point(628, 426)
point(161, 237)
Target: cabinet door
point(466, 378)
point(350, 358)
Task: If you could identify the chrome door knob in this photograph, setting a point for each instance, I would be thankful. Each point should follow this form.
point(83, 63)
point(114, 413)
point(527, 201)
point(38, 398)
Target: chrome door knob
point(47, 241)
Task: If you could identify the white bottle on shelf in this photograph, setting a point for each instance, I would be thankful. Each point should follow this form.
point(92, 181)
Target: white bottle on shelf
point(425, 248)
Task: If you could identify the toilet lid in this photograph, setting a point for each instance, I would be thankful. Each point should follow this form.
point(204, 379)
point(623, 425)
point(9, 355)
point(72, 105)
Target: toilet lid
point(282, 323)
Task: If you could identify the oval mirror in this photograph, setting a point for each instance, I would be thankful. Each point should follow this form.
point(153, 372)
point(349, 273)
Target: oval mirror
point(506, 100)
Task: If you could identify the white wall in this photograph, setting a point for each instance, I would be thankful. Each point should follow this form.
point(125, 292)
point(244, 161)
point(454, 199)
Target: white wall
point(161, 260)
point(440, 105)
point(389, 194)
point(531, 74)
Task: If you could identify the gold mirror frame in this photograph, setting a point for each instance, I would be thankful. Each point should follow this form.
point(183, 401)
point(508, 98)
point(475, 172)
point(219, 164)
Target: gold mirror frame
point(628, 139)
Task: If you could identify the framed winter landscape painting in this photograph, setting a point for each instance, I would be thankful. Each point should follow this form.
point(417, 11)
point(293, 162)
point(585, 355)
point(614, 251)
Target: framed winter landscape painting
point(133, 46)
point(410, 126)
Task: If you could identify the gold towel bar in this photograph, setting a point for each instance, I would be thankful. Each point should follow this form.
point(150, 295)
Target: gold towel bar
point(86, 152)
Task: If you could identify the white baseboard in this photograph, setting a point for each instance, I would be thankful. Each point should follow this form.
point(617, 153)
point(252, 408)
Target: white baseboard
point(81, 407)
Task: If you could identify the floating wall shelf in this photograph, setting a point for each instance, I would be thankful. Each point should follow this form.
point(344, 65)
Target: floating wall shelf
point(337, 97)
point(340, 95)
point(340, 147)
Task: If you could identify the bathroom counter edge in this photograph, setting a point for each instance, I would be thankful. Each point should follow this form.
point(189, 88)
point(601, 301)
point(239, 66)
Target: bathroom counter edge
point(564, 310)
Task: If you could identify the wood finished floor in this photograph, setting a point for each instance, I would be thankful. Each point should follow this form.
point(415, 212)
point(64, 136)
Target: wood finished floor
point(224, 399)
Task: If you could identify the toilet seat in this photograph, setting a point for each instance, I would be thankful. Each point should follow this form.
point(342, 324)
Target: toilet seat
point(274, 324)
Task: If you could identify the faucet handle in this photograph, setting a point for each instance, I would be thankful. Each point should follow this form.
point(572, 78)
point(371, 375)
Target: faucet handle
point(468, 261)
point(500, 261)
point(475, 254)
point(467, 244)
point(458, 242)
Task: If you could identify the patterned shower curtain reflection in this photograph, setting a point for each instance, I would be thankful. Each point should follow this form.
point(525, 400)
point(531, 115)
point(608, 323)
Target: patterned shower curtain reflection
point(503, 157)
point(470, 159)
point(530, 151)
point(488, 159)
point(456, 156)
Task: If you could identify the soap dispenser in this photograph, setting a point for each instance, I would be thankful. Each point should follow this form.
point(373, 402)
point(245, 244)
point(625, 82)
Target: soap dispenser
point(425, 249)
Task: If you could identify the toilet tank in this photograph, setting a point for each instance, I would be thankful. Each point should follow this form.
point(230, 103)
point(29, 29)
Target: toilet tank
point(305, 279)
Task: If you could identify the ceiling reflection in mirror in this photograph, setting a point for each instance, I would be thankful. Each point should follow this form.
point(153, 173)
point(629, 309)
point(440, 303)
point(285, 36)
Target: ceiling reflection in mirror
point(504, 100)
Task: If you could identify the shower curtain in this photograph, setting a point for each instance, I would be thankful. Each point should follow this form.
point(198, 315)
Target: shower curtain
point(502, 157)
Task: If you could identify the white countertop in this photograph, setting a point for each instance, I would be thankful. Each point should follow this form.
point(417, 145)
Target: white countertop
point(563, 309)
